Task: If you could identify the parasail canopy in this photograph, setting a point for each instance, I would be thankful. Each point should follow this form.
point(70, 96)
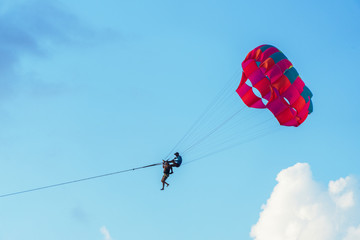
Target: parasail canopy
point(270, 81)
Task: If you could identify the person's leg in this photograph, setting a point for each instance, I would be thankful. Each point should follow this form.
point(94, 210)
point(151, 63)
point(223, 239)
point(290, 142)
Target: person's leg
point(166, 177)
point(163, 182)
point(174, 165)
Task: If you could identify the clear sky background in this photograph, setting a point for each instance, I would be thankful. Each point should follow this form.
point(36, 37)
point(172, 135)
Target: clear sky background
point(91, 87)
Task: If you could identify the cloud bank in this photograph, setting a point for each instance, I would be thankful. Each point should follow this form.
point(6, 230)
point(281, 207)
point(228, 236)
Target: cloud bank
point(301, 209)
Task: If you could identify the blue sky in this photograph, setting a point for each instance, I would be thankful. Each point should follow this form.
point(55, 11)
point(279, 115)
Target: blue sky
point(91, 87)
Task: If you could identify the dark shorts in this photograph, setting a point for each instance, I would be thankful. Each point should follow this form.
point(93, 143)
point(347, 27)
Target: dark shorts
point(166, 175)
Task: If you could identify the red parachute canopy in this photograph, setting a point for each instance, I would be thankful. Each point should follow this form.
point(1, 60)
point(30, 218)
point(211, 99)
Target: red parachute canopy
point(270, 81)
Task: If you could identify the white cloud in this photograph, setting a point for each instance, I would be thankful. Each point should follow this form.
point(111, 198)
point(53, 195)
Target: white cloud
point(336, 187)
point(342, 193)
point(105, 232)
point(300, 209)
point(353, 233)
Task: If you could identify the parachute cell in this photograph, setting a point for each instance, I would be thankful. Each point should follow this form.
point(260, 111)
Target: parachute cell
point(279, 86)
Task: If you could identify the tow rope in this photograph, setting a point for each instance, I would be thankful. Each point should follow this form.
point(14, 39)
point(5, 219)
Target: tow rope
point(77, 180)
